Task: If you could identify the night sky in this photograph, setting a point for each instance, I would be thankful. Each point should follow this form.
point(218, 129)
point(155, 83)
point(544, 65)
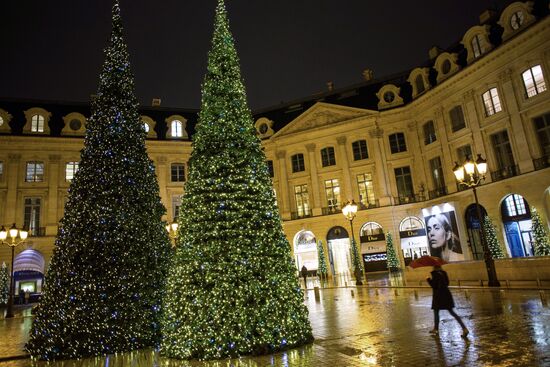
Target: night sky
point(53, 50)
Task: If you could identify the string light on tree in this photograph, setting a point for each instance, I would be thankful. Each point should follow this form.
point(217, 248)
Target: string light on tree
point(232, 288)
point(541, 241)
point(393, 261)
point(322, 269)
point(492, 239)
point(4, 284)
point(104, 287)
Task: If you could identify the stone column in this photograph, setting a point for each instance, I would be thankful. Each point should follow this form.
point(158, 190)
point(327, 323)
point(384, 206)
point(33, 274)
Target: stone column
point(51, 221)
point(316, 207)
point(283, 184)
point(12, 174)
point(383, 180)
point(516, 133)
point(348, 193)
point(447, 162)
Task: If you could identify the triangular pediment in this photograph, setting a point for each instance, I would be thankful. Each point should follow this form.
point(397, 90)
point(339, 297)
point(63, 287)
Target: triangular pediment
point(322, 114)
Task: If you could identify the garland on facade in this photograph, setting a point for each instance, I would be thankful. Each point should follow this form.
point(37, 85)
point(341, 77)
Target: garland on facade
point(322, 269)
point(232, 287)
point(4, 284)
point(541, 241)
point(104, 287)
point(491, 238)
point(393, 261)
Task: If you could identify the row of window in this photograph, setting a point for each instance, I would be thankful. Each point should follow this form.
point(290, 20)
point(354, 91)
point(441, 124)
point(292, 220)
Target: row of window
point(34, 171)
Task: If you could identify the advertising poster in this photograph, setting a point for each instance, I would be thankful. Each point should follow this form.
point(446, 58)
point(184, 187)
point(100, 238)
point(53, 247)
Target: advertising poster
point(442, 235)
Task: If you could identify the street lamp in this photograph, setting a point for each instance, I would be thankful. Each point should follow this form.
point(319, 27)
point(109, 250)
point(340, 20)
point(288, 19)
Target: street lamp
point(14, 233)
point(350, 211)
point(472, 174)
point(172, 229)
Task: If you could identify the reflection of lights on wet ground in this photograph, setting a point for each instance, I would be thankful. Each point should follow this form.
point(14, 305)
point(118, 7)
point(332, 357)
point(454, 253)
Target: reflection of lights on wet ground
point(368, 359)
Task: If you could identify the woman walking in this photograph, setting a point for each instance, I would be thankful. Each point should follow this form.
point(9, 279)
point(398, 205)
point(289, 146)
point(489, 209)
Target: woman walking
point(443, 299)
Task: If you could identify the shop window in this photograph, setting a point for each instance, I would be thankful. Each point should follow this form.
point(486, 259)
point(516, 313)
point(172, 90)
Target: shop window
point(491, 102)
point(457, 119)
point(327, 157)
point(34, 172)
point(360, 151)
point(298, 164)
point(533, 81)
point(397, 143)
point(70, 170)
point(177, 172)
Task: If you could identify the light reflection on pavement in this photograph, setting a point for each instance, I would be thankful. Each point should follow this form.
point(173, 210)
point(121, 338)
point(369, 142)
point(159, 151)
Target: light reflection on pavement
point(374, 327)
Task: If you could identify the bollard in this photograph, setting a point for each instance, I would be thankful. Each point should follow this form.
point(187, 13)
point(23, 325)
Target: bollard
point(316, 293)
point(416, 295)
point(395, 292)
point(376, 291)
point(466, 294)
point(352, 294)
point(543, 300)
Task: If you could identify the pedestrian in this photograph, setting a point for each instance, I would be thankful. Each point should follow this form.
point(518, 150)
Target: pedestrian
point(443, 299)
point(21, 296)
point(27, 296)
point(304, 275)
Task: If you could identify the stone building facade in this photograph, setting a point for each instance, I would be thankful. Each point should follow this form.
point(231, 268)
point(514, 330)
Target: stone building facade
point(389, 144)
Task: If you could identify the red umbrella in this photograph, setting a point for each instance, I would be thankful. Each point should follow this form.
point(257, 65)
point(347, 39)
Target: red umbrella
point(427, 261)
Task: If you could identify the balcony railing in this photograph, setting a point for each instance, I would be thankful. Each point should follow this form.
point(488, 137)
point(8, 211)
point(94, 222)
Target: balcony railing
point(441, 191)
point(414, 198)
point(330, 210)
point(37, 232)
point(505, 172)
point(368, 205)
point(542, 162)
point(297, 215)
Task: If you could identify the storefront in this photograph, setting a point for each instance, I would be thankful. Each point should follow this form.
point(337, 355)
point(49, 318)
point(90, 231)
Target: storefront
point(373, 247)
point(339, 251)
point(305, 251)
point(414, 242)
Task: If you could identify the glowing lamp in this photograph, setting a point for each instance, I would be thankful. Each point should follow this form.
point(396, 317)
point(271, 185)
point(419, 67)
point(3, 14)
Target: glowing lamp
point(23, 234)
point(469, 166)
point(13, 231)
point(459, 172)
point(481, 165)
point(3, 234)
point(350, 210)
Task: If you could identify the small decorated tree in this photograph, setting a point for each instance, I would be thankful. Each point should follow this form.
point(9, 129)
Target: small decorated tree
point(393, 261)
point(492, 239)
point(356, 260)
point(322, 265)
point(4, 284)
point(541, 242)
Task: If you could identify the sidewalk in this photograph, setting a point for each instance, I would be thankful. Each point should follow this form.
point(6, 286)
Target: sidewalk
point(377, 327)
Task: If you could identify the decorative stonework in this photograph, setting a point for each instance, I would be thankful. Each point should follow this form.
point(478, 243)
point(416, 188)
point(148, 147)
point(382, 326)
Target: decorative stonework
point(446, 65)
point(341, 140)
point(182, 120)
point(40, 112)
point(5, 120)
point(376, 133)
point(14, 157)
point(162, 159)
point(75, 124)
point(310, 147)
point(479, 36)
point(281, 154)
point(54, 157)
point(515, 18)
point(151, 123)
point(264, 127)
point(388, 97)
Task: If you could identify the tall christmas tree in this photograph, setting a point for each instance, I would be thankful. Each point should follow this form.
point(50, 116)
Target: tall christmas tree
point(541, 241)
point(104, 287)
point(491, 238)
point(232, 288)
point(322, 262)
point(356, 260)
point(4, 284)
point(393, 261)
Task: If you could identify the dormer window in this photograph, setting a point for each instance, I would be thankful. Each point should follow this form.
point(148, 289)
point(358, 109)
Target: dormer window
point(176, 129)
point(516, 20)
point(446, 67)
point(37, 124)
point(419, 82)
point(389, 97)
point(478, 46)
point(146, 127)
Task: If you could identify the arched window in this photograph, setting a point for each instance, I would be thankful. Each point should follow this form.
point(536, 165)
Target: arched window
point(516, 218)
point(37, 124)
point(305, 250)
point(176, 129)
point(371, 229)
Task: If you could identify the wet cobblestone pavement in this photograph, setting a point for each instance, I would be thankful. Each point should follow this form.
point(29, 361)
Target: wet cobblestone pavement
point(373, 327)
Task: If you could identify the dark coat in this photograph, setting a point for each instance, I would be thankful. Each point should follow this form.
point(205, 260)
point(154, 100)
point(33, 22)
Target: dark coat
point(442, 297)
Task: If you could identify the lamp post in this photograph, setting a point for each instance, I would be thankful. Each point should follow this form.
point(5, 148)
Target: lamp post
point(472, 174)
point(14, 234)
point(350, 211)
point(172, 229)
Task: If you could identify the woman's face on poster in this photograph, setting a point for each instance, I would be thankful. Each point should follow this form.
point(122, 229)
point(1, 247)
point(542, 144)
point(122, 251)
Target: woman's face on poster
point(437, 235)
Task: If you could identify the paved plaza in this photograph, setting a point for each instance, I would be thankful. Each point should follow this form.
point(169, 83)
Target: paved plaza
point(373, 327)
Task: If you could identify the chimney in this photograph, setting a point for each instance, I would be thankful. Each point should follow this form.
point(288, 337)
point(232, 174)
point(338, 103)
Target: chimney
point(434, 52)
point(156, 102)
point(487, 16)
point(368, 75)
point(330, 86)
